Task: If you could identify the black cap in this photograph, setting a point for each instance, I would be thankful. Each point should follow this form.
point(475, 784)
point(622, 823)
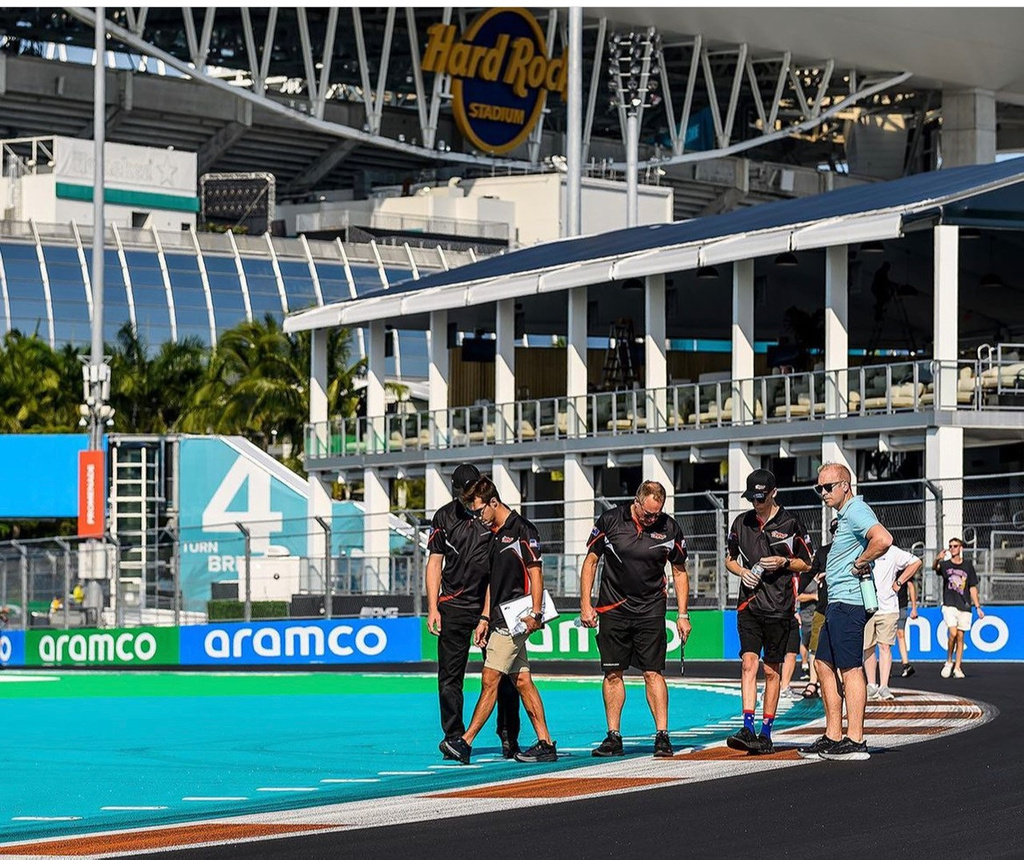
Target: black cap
point(760, 483)
point(463, 476)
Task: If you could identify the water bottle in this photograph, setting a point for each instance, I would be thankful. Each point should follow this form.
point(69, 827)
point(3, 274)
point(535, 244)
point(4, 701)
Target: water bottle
point(867, 590)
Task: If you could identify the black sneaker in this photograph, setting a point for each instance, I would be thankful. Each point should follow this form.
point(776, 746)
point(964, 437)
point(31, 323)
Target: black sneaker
point(539, 752)
point(509, 746)
point(847, 750)
point(805, 673)
point(744, 740)
point(764, 745)
point(821, 745)
point(611, 745)
point(457, 749)
point(444, 752)
point(662, 745)
point(908, 670)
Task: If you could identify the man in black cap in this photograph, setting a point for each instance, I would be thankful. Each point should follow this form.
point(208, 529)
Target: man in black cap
point(458, 569)
point(767, 547)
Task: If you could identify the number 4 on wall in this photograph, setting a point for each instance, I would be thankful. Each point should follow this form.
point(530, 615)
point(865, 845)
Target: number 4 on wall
point(256, 514)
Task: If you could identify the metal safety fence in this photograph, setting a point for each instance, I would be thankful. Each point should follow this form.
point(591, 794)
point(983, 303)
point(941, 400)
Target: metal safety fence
point(284, 568)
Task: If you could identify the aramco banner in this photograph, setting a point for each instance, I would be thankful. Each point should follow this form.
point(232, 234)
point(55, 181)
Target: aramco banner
point(501, 75)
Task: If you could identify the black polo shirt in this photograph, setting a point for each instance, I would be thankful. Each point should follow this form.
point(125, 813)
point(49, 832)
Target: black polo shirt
point(515, 548)
point(465, 543)
point(633, 580)
point(751, 540)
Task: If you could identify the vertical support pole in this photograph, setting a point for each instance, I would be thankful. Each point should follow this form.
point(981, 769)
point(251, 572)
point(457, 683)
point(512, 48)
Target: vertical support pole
point(574, 123)
point(97, 377)
point(505, 371)
point(328, 578)
point(655, 359)
point(437, 491)
point(837, 321)
point(576, 363)
point(632, 156)
point(743, 410)
point(247, 600)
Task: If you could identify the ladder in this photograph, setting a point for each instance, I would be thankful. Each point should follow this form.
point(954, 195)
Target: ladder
point(619, 374)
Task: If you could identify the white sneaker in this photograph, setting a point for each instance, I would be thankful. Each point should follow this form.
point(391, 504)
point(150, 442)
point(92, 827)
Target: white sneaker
point(885, 694)
point(947, 669)
point(959, 673)
point(872, 691)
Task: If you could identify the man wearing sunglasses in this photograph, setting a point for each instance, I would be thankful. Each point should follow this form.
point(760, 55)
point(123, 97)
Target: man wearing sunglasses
point(515, 571)
point(959, 591)
point(457, 571)
point(767, 546)
point(636, 541)
point(859, 540)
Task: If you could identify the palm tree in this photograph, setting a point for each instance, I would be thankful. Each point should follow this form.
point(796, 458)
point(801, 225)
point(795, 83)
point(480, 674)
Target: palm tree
point(40, 389)
point(257, 385)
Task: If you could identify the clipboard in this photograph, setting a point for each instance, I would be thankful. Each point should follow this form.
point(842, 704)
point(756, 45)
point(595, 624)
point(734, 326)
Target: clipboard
point(513, 611)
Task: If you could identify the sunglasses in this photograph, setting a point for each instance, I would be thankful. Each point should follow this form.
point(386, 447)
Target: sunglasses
point(477, 513)
point(822, 489)
point(646, 516)
point(758, 497)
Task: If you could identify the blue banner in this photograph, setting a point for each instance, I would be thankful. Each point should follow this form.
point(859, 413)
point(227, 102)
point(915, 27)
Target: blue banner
point(258, 643)
point(41, 474)
point(12, 648)
point(997, 636)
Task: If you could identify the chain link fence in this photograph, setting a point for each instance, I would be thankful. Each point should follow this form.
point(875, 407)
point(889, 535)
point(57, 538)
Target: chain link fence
point(191, 577)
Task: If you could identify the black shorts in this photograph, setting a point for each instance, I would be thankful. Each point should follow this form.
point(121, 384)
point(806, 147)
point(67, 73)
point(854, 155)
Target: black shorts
point(627, 640)
point(793, 643)
point(759, 632)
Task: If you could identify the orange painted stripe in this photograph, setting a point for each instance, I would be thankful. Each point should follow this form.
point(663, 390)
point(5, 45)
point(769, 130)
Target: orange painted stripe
point(169, 837)
point(726, 754)
point(555, 787)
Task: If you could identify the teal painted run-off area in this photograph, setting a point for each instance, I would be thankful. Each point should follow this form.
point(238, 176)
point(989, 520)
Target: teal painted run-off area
point(97, 751)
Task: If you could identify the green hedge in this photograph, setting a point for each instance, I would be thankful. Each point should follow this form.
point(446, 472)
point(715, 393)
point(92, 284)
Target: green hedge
point(234, 610)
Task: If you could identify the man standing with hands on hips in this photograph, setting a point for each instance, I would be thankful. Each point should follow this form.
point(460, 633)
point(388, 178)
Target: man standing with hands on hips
point(859, 540)
point(458, 569)
point(767, 547)
point(636, 540)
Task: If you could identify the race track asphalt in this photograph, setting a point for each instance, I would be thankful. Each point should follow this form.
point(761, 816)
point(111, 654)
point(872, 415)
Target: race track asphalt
point(958, 795)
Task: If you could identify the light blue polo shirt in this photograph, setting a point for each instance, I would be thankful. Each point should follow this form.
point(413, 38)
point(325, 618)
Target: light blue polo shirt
point(855, 521)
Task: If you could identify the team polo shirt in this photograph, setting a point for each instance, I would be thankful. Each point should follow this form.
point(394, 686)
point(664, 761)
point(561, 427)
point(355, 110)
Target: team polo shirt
point(856, 519)
point(751, 540)
point(514, 549)
point(465, 543)
point(957, 579)
point(633, 581)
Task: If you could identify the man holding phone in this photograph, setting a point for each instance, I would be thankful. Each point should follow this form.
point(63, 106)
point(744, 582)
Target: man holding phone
point(959, 591)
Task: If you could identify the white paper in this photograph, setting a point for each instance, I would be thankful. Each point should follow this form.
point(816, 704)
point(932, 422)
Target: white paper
point(513, 611)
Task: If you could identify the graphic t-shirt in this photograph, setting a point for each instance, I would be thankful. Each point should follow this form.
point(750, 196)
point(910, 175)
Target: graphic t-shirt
point(957, 580)
point(633, 580)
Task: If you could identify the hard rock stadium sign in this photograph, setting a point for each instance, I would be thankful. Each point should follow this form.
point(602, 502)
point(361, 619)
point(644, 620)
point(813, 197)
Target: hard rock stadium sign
point(501, 75)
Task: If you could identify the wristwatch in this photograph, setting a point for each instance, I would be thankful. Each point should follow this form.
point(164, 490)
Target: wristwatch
point(538, 617)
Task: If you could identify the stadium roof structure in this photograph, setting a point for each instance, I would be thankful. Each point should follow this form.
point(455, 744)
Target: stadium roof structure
point(981, 195)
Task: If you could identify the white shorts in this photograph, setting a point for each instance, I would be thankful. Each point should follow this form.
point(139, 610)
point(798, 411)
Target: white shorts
point(956, 618)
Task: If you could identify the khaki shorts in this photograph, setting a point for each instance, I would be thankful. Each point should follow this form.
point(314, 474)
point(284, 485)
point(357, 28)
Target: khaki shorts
point(958, 618)
point(881, 629)
point(816, 622)
point(506, 653)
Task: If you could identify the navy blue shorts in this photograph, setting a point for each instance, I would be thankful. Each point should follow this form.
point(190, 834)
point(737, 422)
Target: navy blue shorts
point(841, 643)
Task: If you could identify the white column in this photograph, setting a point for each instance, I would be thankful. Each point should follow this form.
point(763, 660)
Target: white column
point(580, 515)
point(576, 362)
point(438, 491)
point(376, 498)
point(655, 361)
point(319, 498)
point(743, 341)
point(944, 464)
point(657, 469)
point(505, 371)
point(946, 314)
point(741, 464)
point(968, 127)
point(507, 482)
point(837, 323)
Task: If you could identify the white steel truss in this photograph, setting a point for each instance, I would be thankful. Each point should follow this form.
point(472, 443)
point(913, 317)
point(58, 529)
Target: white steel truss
point(789, 97)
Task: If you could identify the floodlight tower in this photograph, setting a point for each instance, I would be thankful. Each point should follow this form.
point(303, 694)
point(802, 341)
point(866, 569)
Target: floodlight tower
point(633, 69)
